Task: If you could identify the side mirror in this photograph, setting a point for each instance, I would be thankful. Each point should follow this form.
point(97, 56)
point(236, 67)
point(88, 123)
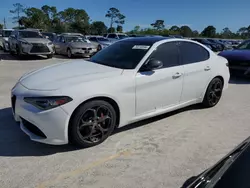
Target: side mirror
point(152, 64)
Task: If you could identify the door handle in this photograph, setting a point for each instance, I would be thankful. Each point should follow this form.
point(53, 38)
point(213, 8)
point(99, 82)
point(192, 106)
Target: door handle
point(207, 68)
point(176, 75)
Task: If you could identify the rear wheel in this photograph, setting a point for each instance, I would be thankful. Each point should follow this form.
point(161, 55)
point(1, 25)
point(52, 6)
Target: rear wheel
point(92, 123)
point(213, 93)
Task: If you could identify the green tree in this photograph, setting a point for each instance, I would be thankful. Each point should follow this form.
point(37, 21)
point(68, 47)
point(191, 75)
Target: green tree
point(75, 20)
point(98, 28)
point(1, 26)
point(243, 32)
point(35, 18)
point(111, 30)
point(158, 25)
point(175, 29)
point(17, 11)
point(119, 29)
point(137, 29)
point(115, 17)
point(185, 31)
point(226, 33)
point(209, 31)
point(195, 33)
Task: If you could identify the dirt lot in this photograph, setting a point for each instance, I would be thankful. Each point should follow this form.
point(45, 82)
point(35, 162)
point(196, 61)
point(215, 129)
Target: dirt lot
point(159, 152)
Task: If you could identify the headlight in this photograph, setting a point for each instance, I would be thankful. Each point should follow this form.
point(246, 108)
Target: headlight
point(104, 45)
point(25, 44)
point(50, 43)
point(46, 103)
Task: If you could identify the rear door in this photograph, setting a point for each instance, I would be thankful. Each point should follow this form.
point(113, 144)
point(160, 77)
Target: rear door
point(197, 71)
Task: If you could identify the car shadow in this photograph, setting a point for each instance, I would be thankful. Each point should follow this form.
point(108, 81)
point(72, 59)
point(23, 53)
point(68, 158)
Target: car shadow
point(9, 57)
point(14, 143)
point(239, 80)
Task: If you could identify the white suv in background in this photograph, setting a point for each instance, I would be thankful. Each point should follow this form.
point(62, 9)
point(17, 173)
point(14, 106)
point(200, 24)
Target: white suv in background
point(115, 36)
point(4, 38)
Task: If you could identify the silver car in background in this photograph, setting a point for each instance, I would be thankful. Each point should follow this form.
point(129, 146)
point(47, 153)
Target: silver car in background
point(99, 41)
point(30, 42)
point(4, 39)
point(74, 45)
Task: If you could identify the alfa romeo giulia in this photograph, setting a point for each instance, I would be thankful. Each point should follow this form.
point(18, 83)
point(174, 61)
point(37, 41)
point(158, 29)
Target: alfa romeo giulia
point(133, 79)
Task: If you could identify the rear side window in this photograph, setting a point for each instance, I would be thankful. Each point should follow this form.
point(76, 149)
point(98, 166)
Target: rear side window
point(192, 53)
point(168, 54)
point(112, 36)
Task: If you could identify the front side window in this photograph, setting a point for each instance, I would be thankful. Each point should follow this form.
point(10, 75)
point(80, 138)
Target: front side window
point(122, 54)
point(29, 34)
point(113, 36)
point(102, 39)
point(192, 53)
point(168, 54)
point(244, 45)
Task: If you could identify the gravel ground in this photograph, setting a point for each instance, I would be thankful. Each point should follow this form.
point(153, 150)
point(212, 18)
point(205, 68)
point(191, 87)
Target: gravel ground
point(159, 152)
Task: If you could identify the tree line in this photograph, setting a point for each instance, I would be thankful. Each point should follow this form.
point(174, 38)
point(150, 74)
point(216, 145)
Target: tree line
point(48, 18)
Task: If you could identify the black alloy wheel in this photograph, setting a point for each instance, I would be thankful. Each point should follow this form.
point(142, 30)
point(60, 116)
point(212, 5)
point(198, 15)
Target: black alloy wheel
point(213, 93)
point(92, 123)
point(69, 53)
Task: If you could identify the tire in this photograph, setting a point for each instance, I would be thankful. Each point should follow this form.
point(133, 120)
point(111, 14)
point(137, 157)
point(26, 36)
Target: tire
point(18, 52)
point(98, 117)
point(69, 54)
point(213, 93)
point(49, 56)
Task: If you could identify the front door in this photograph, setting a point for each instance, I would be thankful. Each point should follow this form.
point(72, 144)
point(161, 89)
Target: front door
point(161, 88)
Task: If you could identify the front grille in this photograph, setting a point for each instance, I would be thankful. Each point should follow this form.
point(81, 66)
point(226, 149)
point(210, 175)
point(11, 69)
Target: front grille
point(32, 128)
point(13, 103)
point(86, 48)
point(239, 63)
point(39, 47)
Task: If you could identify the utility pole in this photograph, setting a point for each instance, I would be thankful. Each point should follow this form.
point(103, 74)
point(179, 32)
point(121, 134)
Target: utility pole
point(4, 23)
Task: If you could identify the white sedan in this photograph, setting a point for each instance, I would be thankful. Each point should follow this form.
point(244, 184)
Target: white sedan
point(136, 78)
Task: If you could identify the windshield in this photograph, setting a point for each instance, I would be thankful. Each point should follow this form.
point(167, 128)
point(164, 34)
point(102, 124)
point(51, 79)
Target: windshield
point(6, 33)
point(244, 45)
point(75, 39)
point(29, 34)
point(123, 54)
point(122, 36)
point(102, 39)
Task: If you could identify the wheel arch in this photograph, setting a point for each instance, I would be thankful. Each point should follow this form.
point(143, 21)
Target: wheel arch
point(218, 76)
point(104, 98)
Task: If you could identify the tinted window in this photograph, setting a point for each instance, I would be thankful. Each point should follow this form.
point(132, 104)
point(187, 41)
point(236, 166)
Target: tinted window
point(122, 54)
point(29, 34)
point(112, 36)
point(168, 54)
point(192, 53)
point(92, 39)
point(105, 35)
point(244, 45)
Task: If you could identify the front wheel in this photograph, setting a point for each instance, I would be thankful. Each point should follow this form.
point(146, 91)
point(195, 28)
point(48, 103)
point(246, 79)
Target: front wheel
point(49, 56)
point(69, 53)
point(92, 123)
point(213, 93)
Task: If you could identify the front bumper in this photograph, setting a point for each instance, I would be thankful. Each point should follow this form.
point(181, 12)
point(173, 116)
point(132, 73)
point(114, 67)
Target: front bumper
point(85, 52)
point(48, 126)
point(37, 49)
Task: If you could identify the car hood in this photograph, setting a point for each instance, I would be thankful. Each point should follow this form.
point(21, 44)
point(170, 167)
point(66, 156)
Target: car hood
point(236, 54)
point(35, 40)
point(81, 45)
point(67, 74)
